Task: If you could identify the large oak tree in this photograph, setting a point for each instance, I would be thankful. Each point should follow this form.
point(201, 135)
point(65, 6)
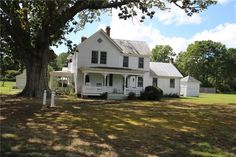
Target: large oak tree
point(30, 27)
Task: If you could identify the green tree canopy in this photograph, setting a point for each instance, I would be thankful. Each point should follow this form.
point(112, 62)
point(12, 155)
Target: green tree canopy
point(30, 27)
point(162, 53)
point(210, 62)
point(60, 61)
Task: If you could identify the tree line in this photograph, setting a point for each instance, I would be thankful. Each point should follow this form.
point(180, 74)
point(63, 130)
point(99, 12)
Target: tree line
point(210, 62)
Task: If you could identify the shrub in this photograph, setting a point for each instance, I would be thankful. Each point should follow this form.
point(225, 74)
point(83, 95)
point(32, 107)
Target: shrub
point(131, 96)
point(151, 93)
point(104, 95)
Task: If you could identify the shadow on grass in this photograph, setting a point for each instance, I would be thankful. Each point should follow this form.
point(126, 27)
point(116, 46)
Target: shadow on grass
point(116, 128)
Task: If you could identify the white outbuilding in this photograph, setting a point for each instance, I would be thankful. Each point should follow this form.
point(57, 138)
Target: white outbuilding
point(21, 80)
point(189, 86)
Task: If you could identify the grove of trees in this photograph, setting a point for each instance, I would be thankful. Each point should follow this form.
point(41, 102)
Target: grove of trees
point(30, 27)
point(211, 63)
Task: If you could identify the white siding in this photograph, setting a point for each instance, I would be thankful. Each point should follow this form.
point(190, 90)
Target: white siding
point(90, 44)
point(190, 89)
point(164, 84)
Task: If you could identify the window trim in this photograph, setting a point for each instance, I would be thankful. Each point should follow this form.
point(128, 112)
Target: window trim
point(103, 52)
point(172, 83)
point(140, 82)
point(92, 59)
point(156, 81)
point(140, 62)
point(126, 61)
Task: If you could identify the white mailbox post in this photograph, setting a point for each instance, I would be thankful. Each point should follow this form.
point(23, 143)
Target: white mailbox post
point(44, 97)
point(53, 99)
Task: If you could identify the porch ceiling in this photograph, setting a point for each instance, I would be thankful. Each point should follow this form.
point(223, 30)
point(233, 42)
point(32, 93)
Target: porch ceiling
point(112, 70)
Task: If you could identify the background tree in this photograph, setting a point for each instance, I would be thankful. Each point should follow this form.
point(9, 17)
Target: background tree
point(59, 61)
point(9, 68)
point(28, 28)
point(162, 53)
point(210, 62)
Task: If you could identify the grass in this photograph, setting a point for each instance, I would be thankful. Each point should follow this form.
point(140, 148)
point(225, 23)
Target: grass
point(91, 128)
point(8, 88)
point(205, 98)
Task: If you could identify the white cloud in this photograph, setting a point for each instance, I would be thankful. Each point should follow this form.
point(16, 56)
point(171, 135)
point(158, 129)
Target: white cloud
point(134, 30)
point(224, 33)
point(177, 16)
point(223, 1)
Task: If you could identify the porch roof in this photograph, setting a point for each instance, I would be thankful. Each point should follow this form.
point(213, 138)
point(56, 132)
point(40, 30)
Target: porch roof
point(112, 70)
point(61, 73)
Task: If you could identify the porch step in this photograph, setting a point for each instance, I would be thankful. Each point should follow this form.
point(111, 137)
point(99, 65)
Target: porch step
point(115, 96)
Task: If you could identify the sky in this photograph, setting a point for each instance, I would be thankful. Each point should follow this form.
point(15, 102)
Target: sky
point(170, 27)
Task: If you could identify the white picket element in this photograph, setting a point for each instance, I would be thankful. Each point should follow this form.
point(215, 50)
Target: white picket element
point(44, 97)
point(53, 99)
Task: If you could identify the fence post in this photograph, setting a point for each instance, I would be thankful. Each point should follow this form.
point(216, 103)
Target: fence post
point(44, 97)
point(52, 99)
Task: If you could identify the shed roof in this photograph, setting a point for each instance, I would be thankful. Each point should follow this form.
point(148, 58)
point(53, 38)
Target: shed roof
point(189, 79)
point(164, 70)
point(133, 47)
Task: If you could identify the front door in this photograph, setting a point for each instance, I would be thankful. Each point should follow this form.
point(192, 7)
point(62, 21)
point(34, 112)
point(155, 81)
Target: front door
point(132, 82)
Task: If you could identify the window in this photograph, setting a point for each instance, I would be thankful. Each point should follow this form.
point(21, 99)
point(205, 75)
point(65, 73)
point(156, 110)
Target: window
point(87, 80)
point(140, 82)
point(125, 61)
point(154, 82)
point(172, 83)
point(110, 79)
point(94, 58)
point(103, 57)
point(140, 62)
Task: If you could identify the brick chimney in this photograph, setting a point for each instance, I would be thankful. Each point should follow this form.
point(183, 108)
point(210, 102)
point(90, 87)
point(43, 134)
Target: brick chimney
point(83, 39)
point(108, 30)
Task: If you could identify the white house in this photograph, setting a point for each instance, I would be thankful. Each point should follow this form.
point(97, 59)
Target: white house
point(189, 86)
point(102, 64)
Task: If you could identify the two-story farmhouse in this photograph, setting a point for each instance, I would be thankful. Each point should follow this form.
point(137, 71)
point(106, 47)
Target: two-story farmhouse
point(102, 64)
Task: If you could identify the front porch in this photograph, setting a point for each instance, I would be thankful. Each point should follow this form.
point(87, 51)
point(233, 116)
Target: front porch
point(98, 80)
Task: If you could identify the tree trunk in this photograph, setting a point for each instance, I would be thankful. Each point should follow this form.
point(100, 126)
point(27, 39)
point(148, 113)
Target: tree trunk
point(36, 74)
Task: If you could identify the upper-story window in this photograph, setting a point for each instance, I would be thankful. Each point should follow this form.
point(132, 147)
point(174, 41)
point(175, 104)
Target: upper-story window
point(155, 82)
point(94, 58)
point(140, 62)
point(125, 61)
point(172, 83)
point(103, 57)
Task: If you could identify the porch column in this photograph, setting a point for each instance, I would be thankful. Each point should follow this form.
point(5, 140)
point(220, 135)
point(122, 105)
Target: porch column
point(125, 76)
point(84, 78)
point(104, 82)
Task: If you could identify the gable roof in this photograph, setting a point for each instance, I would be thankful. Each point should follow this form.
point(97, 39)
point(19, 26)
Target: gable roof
point(127, 46)
point(189, 79)
point(133, 47)
point(164, 70)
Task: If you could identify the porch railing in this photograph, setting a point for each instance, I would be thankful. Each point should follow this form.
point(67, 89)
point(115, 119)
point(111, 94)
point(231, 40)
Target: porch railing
point(134, 90)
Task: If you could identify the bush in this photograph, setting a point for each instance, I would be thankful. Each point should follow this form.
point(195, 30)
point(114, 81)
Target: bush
point(131, 96)
point(104, 95)
point(151, 93)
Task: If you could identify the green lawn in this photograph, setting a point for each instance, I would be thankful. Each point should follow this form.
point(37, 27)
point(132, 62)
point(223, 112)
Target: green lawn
point(8, 88)
point(91, 128)
point(211, 98)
